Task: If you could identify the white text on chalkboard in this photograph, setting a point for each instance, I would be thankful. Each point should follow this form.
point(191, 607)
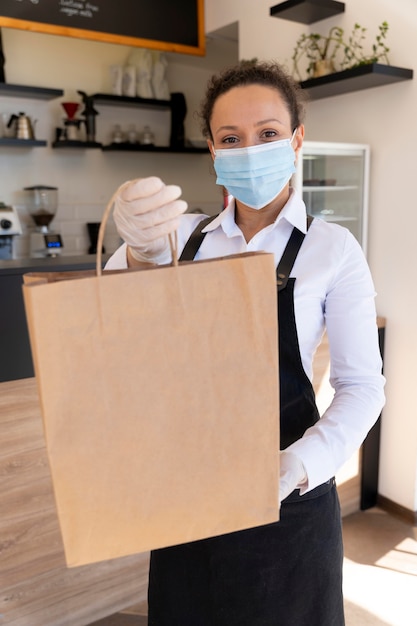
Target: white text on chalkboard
point(78, 8)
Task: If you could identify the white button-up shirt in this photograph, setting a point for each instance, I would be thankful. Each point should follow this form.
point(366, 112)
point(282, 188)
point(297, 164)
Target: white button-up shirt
point(333, 291)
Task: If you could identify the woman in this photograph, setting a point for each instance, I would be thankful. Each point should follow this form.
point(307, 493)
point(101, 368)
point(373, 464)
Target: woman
point(288, 573)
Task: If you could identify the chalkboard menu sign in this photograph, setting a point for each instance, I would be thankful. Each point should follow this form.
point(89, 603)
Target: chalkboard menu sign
point(173, 25)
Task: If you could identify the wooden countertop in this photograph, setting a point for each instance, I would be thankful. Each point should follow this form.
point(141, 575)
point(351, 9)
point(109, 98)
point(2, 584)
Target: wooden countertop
point(36, 587)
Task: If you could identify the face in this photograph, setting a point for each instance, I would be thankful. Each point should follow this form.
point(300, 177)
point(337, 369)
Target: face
point(250, 115)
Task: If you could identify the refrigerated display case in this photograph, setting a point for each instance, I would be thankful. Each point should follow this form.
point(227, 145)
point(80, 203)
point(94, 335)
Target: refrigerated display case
point(333, 179)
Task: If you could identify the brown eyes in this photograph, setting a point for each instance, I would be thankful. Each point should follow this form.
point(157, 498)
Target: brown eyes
point(267, 134)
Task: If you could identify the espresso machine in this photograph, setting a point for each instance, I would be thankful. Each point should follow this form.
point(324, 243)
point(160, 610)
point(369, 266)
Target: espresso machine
point(9, 228)
point(42, 203)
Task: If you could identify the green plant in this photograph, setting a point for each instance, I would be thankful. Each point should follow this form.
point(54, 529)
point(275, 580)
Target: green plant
point(338, 52)
point(353, 51)
point(316, 47)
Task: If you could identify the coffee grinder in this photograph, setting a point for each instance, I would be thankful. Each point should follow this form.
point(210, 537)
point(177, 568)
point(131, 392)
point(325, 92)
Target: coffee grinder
point(42, 204)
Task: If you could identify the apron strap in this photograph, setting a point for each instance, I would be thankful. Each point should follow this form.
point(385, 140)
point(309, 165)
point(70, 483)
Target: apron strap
point(195, 240)
point(290, 254)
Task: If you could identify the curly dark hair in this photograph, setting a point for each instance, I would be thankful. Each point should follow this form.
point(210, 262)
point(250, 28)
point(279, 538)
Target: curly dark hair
point(270, 74)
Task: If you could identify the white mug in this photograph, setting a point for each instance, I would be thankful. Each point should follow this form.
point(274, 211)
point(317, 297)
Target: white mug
point(4, 131)
point(116, 76)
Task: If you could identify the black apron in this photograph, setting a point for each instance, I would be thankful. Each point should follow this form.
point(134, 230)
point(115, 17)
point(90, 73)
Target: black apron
point(288, 573)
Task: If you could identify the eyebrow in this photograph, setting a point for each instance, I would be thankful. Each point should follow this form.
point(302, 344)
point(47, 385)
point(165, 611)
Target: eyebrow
point(271, 119)
point(260, 123)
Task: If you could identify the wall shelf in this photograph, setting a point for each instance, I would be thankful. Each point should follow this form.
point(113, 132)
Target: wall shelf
point(21, 143)
point(24, 91)
point(307, 11)
point(122, 147)
point(128, 147)
point(123, 101)
point(76, 144)
point(98, 98)
point(355, 79)
point(148, 103)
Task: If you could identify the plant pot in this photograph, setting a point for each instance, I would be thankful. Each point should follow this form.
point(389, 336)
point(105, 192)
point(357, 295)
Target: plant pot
point(323, 67)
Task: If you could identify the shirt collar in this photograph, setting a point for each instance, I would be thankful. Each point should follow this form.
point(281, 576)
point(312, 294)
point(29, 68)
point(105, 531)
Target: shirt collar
point(294, 212)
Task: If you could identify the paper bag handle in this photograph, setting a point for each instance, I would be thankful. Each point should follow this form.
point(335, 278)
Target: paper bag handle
point(172, 238)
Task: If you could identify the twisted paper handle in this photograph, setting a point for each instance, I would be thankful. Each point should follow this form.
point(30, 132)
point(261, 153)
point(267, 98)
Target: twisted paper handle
point(173, 244)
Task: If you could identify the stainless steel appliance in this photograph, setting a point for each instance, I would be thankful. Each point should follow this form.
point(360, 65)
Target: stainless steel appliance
point(42, 204)
point(22, 126)
point(9, 228)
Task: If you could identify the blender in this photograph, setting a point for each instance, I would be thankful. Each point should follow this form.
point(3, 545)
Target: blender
point(42, 203)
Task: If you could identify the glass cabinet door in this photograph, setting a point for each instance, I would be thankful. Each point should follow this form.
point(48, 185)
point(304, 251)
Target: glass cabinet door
point(333, 179)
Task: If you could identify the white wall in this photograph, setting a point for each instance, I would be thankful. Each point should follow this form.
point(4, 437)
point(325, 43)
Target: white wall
point(87, 178)
point(384, 118)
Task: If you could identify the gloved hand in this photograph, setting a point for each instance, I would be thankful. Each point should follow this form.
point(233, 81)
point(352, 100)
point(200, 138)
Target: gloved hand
point(292, 474)
point(146, 211)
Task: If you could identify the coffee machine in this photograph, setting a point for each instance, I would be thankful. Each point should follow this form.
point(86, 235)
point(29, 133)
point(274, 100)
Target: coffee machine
point(42, 204)
point(9, 228)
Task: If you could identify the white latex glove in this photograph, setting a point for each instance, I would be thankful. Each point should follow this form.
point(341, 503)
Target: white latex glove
point(292, 474)
point(146, 211)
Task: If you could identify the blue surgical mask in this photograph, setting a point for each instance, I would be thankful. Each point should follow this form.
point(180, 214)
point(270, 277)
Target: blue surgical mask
point(257, 174)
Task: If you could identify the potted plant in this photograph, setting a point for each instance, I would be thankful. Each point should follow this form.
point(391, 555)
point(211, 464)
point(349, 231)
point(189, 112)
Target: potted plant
point(326, 54)
point(319, 50)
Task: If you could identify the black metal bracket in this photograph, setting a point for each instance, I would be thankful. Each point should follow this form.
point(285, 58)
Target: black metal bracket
point(2, 62)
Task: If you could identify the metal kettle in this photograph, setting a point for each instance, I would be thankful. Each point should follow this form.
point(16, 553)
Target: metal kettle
point(22, 126)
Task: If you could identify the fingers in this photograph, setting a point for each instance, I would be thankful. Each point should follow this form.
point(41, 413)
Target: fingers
point(153, 233)
point(145, 211)
point(147, 194)
point(140, 188)
point(292, 474)
point(148, 202)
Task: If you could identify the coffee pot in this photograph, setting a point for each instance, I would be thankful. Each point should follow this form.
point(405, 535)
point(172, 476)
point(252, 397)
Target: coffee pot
point(71, 123)
point(22, 126)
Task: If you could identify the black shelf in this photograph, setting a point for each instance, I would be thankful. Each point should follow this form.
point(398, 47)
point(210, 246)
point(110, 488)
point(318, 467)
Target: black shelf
point(109, 99)
point(22, 143)
point(24, 91)
point(307, 11)
point(129, 147)
point(76, 144)
point(355, 79)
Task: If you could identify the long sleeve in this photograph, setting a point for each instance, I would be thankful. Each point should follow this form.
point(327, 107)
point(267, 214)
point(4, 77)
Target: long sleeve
point(355, 374)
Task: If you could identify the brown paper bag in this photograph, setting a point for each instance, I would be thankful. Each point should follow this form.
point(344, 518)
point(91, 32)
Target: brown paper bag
point(159, 394)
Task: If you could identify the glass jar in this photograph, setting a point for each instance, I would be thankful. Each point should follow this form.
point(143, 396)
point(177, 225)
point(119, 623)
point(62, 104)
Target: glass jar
point(132, 134)
point(117, 135)
point(148, 137)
